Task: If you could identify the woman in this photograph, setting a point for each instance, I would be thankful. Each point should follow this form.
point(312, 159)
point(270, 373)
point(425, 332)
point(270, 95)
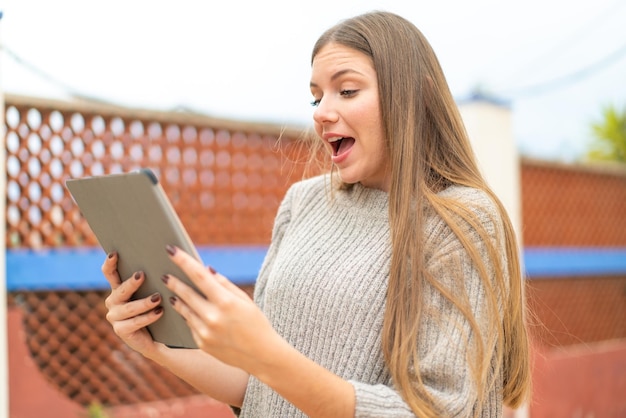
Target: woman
point(391, 288)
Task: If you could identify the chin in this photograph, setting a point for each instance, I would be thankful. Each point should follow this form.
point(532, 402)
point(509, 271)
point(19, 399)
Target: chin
point(346, 178)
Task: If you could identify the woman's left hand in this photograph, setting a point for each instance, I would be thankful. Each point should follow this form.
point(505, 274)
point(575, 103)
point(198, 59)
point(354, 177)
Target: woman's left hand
point(224, 321)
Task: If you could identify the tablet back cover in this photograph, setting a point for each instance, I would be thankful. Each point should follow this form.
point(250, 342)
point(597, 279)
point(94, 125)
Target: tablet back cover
point(130, 213)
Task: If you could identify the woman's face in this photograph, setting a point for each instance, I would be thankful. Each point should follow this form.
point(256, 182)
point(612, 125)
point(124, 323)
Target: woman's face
point(347, 118)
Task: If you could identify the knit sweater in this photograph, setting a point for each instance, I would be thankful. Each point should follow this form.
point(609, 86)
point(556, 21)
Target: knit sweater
point(323, 287)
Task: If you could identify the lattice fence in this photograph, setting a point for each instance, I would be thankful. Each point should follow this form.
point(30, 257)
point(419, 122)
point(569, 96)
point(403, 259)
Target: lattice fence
point(225, 180)
point(573, 206)
point(569, 206)
point(75, 349)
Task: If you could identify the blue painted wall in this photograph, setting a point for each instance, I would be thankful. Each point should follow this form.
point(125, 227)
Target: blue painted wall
point(79, 269)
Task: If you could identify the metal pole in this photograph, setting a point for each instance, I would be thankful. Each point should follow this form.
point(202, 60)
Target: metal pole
point(4, 356)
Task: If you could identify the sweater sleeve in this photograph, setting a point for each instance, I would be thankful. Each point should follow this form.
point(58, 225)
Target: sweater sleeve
point(444, 334)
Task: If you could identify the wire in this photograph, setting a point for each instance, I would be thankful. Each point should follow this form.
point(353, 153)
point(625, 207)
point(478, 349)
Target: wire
point(71, 91)
point(563, 81)
point(50, 79)
point(548, 86)
point(581, 33)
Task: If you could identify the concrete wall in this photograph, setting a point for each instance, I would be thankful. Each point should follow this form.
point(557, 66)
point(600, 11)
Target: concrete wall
point(580, 381)
point(489, 126)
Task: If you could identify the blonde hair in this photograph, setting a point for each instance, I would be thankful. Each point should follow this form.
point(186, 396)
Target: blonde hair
point(429, 150)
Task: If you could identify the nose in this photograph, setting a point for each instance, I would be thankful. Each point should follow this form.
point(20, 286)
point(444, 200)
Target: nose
point(325, 112)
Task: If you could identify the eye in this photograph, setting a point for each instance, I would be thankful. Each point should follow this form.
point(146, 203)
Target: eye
point(348, 93)
point(316, 102)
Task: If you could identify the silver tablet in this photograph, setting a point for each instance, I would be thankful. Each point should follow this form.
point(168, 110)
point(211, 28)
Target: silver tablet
point(130, 213)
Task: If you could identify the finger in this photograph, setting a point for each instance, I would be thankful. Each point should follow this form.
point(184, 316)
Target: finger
point(124, 292)
point(131, 325)
point(186, 293)
point(121, 312)
point(227, 284)
point(109, 269)
point(201, 314)
point(198, 325)
point(197, 273)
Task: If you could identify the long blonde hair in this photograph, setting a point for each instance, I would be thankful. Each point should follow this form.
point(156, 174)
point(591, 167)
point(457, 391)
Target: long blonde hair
point(429, 150)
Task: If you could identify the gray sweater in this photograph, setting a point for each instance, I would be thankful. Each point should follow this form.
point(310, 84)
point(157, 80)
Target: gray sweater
point(323, 284)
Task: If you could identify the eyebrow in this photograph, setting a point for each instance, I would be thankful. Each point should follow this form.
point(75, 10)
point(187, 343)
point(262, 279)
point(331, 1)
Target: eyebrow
point(339, 74)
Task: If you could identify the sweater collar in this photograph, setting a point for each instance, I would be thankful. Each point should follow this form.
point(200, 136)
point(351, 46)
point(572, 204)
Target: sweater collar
point(373, 201)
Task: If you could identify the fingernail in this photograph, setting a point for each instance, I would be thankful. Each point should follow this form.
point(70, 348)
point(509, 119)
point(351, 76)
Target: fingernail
point(212, 270)
point(138, 275)
point(155, 298)
point(171, 250)
point(173, 299)
point(158, 310)
point(165, 278)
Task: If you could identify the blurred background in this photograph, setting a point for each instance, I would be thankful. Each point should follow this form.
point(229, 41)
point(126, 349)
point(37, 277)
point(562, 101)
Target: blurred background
point(557, 62)
point(201, 91)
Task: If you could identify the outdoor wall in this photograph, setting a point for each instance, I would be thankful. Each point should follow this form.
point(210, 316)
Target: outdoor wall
point(579, 331)
point(578, 310)
point(34, 393)
point(574, 221)
point(226, 179)
point(586, 380)
point(4, 359)
point(581, 206)
point(489, 126)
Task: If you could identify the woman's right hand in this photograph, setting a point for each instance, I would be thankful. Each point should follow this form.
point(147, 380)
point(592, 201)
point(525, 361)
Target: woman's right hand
point(129, 318)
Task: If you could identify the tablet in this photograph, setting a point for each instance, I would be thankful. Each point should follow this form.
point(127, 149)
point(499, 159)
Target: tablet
point(130, 213)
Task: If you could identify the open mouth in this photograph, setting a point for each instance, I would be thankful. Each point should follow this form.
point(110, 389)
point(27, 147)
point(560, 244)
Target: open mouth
point(341, 145)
